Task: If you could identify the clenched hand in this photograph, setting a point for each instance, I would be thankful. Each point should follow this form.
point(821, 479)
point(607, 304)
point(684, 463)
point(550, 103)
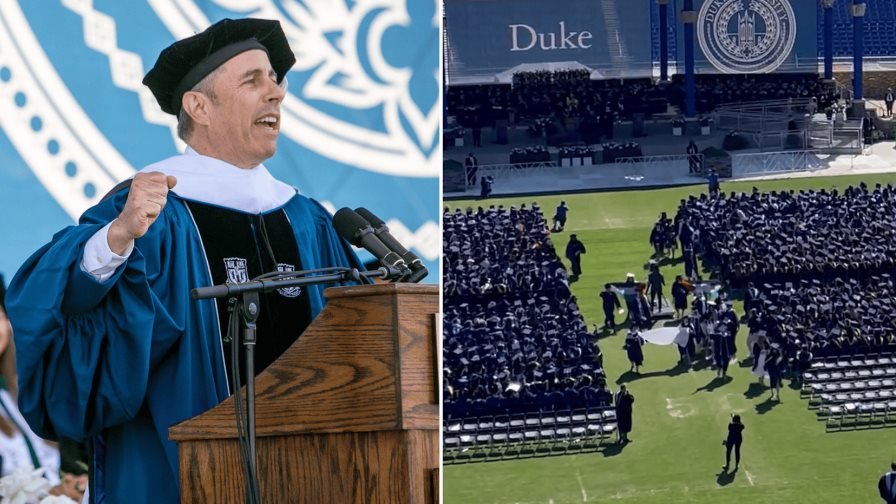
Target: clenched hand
point(148, 196)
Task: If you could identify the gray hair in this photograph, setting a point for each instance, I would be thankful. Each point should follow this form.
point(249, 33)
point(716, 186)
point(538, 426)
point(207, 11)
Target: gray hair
point(207, 87)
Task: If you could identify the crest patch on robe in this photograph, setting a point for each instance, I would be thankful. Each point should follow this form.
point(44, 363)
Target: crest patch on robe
point(289, 292)
point(237, 272)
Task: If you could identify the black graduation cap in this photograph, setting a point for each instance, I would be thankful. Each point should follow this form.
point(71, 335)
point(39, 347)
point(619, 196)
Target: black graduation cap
point(186, 62)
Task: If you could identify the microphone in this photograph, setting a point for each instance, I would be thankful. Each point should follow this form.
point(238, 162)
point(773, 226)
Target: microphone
point(358, 232)
point(418, 270)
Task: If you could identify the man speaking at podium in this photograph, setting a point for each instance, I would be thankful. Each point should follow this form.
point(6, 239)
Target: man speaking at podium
point(110, 346)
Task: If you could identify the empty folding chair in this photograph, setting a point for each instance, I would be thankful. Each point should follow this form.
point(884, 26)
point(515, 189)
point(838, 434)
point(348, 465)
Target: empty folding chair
point(878, 414)
point(835, 418)
point(863, 417)
point(850, 413)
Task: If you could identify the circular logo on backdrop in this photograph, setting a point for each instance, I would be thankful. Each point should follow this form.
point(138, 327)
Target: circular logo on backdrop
point(746, 36)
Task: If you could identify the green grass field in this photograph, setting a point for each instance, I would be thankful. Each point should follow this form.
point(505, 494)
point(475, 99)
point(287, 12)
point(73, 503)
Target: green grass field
point(676, 454)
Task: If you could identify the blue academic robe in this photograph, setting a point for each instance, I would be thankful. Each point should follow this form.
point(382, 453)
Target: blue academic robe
point(121, 361)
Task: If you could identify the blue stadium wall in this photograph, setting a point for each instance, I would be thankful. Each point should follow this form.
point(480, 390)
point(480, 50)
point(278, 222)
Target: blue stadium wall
point(361, 122)
point(480, 34)
point(487, 37)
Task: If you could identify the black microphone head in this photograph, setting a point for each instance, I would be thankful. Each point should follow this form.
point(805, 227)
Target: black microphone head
point(349, 225)
point(374, 221)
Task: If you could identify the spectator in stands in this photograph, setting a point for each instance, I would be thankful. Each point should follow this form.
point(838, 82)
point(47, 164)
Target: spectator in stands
point(560, 217)
point(655, 283)
point(624, 402)
point(574, 251)
point(471, 166)
point(680, 290)
point(610, 303)
point(889, 98)
point(886, 485)
point(693, 161)
point(733, 441)
point(633, 344)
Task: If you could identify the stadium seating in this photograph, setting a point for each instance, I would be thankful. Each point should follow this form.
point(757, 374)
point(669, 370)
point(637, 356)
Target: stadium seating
point(880, 29)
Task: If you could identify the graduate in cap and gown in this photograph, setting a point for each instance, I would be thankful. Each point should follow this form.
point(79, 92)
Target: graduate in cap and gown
point(610, 303)
point(574, 251)
point(633, 344)
point(112, 349)
point(624, 402)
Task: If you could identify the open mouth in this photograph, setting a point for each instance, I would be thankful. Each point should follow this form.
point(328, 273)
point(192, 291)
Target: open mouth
point(271, 121)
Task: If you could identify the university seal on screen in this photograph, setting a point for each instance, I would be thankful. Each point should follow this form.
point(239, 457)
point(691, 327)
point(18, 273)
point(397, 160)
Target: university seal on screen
point(746, 36)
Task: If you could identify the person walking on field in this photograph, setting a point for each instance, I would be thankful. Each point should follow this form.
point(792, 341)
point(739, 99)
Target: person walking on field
point(733, 441)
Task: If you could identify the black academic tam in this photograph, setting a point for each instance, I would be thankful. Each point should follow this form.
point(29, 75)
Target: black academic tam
point(186, 62)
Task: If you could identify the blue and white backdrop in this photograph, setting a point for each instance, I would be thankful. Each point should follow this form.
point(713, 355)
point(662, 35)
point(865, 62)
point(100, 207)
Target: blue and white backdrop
point(360, 126)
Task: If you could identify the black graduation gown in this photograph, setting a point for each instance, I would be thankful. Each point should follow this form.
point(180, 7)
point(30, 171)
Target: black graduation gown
point(624, 412)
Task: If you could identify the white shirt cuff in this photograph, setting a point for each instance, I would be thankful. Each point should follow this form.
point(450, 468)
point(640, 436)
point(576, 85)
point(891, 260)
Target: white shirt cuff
point(99, 260)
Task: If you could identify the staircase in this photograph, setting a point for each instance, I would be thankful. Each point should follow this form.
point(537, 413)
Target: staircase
point(616, 45)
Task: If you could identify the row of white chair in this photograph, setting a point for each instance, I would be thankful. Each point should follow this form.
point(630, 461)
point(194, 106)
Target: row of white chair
point(528, 421)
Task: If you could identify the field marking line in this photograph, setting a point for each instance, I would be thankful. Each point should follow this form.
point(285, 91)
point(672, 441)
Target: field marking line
point(749, 477)
point(582, 486)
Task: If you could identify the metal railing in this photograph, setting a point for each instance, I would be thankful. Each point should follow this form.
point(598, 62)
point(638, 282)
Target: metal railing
point(505, 171)
point(756, 117)
point(763, 163)
point(780, 140)
point(678, 162)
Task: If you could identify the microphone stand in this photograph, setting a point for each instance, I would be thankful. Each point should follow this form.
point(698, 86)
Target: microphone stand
point(251, 308)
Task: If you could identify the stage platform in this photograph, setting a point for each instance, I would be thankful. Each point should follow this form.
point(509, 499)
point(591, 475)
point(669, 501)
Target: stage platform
point(879, 158)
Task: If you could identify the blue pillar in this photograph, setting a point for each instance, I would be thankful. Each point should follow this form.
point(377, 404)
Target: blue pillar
point(689, 16)
point(828, 8)
point(664, 40)
point(858, 50)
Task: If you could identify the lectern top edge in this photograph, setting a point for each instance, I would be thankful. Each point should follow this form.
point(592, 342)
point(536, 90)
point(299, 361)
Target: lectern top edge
point(369, 290)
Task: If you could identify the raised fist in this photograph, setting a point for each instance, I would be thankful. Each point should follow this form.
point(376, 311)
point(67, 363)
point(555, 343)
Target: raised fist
point(148, 196)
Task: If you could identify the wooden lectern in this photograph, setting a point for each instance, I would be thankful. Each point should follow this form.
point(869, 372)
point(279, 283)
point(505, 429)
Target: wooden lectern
point(348, 414)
